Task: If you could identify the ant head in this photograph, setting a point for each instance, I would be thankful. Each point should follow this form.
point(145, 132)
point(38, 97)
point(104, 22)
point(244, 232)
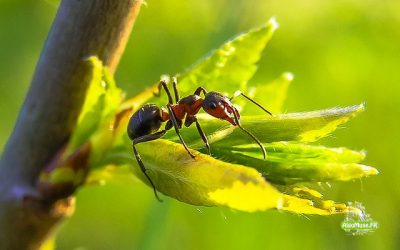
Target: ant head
point(221, 107)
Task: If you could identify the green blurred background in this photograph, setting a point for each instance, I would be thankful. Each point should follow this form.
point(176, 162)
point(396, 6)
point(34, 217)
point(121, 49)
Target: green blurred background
point(342, 52)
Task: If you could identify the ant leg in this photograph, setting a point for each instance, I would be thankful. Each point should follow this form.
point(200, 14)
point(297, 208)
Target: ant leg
point(163, 84)
point(189, 121)
point(150, 137)
point(203, 136)
point(176, 126)
point(175, 85)
point(146, 138)
point(237, 93)
point(199, 90)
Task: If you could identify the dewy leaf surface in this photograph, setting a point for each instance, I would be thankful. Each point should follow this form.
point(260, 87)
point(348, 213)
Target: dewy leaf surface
point(231, 66)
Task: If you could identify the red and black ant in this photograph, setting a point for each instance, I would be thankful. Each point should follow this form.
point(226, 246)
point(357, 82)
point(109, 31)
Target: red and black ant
point(145, 123)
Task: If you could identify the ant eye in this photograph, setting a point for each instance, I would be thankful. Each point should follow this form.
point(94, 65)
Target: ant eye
point(212, 105)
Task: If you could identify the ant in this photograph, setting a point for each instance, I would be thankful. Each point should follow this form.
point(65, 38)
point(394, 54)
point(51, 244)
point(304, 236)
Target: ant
point(145, 123)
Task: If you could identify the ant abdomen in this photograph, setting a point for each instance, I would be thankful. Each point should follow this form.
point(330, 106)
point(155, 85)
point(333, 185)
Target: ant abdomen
point(146, 120)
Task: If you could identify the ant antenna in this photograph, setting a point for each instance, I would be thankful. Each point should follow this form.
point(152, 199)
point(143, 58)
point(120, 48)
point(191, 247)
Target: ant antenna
point(256, 140)
point(251, 135)
point(237, 93)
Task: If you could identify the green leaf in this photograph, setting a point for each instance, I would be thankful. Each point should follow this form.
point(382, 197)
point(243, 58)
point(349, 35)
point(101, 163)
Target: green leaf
point(304, 126)
point(194, 180)
point(289, 163)
point(231, 66)
point(304, 200)
point(92, 108)
point(207, 181)
point(102, 101)
point(272, 96)
point(226, 69)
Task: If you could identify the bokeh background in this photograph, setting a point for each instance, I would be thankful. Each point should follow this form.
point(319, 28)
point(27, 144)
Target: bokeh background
point(342, 52)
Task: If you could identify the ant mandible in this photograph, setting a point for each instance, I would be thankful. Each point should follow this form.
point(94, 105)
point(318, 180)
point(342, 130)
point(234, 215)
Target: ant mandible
point(145, 123)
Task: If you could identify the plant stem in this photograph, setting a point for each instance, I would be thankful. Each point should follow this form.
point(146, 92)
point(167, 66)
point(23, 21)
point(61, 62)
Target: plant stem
point(50, 111)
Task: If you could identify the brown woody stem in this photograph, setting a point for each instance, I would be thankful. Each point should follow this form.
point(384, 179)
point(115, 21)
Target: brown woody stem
point(50, 111)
